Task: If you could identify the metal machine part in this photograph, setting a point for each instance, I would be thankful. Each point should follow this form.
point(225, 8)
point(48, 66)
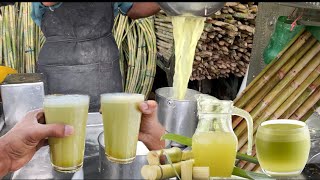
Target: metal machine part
point(177, 116)
point(203, 9)
point(21, 93)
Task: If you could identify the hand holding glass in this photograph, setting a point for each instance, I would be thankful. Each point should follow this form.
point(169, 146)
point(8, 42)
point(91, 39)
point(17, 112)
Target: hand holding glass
point(121, 122)
point(67, 153)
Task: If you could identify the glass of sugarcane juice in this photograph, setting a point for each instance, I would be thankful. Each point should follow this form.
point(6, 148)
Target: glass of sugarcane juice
point(121, 122)
point(283, 147)
point(67, 153)
point(214, 143)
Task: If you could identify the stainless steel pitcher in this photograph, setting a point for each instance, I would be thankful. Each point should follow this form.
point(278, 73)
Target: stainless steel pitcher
point(21, 93)
point(177, 116)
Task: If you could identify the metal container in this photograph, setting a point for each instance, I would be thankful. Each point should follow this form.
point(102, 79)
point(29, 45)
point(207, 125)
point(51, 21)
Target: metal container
point(110, 170)
point(203, 9)
point(177, 116)
point(21, 93)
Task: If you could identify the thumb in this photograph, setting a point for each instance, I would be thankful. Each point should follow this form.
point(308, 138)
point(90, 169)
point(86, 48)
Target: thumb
point(54, 130)
point(149, 109)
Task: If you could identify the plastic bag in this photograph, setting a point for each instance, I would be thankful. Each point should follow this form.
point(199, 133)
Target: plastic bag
point(315, 31)
point(281, 35)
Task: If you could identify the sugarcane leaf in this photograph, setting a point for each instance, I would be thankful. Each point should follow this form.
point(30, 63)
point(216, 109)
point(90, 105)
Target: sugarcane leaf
point(247, 158)
point(178, 138)
point(249, 174)
point(169, 160)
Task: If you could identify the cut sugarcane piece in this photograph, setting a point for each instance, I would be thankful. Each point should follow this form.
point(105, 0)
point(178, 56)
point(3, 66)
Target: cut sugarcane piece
point(186, 155)
point(200, 173)
point(186, 169)
point(153, 172)
point(175, 154)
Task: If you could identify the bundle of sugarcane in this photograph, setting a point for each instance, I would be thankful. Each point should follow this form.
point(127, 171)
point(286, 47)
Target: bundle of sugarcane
point(288, 87)
point(163, 30)
point(136, 41)
point(225, 44)
point(20, 38)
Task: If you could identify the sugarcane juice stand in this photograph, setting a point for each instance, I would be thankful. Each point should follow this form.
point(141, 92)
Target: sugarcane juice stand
point(40, 168)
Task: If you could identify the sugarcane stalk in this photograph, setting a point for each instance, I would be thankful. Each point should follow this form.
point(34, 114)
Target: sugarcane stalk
point(279, 76)
point(307, 87)
point(269, 72)
point(311, 56)
point(310, 112)
point(1, 37)
point(303, 109)
point(272, 106)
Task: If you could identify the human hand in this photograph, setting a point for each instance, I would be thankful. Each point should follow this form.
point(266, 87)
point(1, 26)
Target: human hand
point(49, 3)
point(18, 146)
point(150, 128)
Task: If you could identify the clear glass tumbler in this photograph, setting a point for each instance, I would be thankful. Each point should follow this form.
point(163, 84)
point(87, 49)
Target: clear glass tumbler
point(121, 121)
point(283, 147)
point(67, 153)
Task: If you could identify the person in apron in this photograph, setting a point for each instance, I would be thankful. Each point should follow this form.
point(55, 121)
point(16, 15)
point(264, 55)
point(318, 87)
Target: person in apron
point(80, 55)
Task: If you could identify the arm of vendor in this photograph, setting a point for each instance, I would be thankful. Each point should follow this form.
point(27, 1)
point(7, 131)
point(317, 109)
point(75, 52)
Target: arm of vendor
point(134, 10)
point(18, 146)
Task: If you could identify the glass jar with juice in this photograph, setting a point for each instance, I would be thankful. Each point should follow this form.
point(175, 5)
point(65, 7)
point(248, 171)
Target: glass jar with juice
point(214, 143)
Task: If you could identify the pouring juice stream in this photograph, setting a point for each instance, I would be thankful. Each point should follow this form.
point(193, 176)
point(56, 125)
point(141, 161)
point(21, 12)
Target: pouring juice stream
point(215, 147)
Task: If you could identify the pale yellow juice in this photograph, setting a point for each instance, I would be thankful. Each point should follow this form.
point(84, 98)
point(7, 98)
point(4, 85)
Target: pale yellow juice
point(121, 122)
point(186, 33)
point(217, 150)
point(283, 148)
point(67, 153)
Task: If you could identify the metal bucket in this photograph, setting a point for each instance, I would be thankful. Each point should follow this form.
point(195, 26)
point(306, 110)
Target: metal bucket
point(177, 116)
point(110, 170)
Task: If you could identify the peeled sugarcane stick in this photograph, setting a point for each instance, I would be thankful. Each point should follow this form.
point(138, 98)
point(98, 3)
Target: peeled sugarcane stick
point(153, 172)
point(166, 171)
point(310, 56)
point(268, 72)
point(303, 109)
point(282, 72)
point(186, 169)
point(301, 99)
point(200, 173)
point(283, 95)
point(298, 93)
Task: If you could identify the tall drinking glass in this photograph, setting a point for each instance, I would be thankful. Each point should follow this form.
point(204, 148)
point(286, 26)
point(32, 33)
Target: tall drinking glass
point(283, 147)
point(67, 153)
point(121, 122)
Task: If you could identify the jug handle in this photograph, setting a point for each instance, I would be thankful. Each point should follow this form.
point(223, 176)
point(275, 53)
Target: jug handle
point(247, 116)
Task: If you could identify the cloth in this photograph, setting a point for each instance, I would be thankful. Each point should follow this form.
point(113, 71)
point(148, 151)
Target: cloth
point(38, 9)
point(80, 55)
